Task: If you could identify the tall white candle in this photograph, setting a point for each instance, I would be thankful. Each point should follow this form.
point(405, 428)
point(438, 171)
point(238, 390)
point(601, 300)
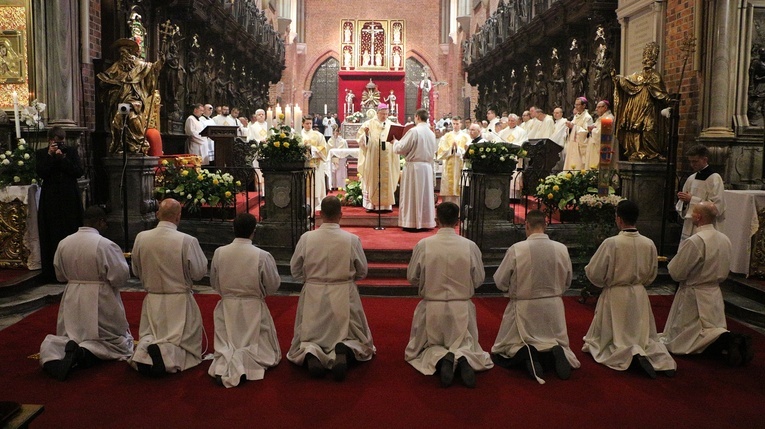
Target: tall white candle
point(270, 117)
point(16, 113)
point(278, 114)
point(298, 117)
point(288, 115)
point(325, 109)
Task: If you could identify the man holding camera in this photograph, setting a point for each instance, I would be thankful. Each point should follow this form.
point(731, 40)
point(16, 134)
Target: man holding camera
point(60, 209)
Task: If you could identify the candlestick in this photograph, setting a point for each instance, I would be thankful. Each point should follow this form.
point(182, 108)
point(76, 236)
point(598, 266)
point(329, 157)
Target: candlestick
point(16, 113)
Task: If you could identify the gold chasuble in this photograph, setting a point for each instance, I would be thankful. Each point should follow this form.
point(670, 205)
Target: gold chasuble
point(387, 161)
point(452, 161)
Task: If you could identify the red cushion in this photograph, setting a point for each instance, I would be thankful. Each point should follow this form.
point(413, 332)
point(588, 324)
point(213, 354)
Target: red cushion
point(155, 142)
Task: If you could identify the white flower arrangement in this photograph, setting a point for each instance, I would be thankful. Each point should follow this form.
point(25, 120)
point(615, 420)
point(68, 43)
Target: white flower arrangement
point(31, 115)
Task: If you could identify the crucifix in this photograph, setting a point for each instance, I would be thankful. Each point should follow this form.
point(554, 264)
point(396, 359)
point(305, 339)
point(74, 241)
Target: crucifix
point(372, 33)
point(167, 30)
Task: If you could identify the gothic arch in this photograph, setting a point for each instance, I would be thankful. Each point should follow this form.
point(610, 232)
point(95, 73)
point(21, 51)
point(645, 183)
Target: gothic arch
point(323, 85)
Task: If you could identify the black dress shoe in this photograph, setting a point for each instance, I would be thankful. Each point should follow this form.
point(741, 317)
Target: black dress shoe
point(670, 373)
point(645, 365)
point(562, 366)
point(59, 369)
point(157, 363)
point(314, 366)
point(467, 374)
point(534, 369)
point(501, 361)
point(340, 368)
point(218, 380)
point(734, 356)
point(446, 369)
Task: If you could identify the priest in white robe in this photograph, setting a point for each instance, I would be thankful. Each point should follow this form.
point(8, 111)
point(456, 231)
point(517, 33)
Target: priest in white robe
point(257, 130)
point(318, 160)
point(195, 143)
point(535, 273)
point(576, 144)
point(592, 159)
point(207, 120)
point(378, 168)
point(338, 166)
point(418, 146)
point(514, 133)
point(331, 329)
point(451, 149)
point(446, 268)
point(623, 329)
point(544, 126)
point(167, 261)
point(703, 185)
point(91, 323)
point(560, 133)
point(696, 321)
point(245, 336)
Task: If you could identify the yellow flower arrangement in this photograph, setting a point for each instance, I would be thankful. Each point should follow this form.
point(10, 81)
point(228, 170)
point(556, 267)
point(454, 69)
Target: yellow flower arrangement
point(281, 146)
point(197, 189)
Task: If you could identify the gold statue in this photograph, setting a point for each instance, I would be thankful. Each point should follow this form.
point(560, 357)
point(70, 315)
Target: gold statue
point(638, 99)
point(130, 83)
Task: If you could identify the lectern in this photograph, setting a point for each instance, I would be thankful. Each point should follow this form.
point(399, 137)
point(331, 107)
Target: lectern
point(223, 136)
point(542, 155)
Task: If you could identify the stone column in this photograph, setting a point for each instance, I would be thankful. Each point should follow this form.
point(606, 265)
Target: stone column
point(57, 61)
point(720, 91)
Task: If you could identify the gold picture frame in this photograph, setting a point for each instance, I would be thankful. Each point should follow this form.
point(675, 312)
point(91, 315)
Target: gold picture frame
point(12, 57)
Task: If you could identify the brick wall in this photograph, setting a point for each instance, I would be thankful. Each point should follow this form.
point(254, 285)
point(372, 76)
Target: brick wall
point(680, 22)
point(88, 74)
point(322, 39)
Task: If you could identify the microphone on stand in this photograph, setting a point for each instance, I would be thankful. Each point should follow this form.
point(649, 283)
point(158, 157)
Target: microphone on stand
point(382, 141)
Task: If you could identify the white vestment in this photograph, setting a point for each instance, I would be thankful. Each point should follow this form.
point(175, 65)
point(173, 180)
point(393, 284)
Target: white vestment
point(516, 135)
point(227, 120)
point(697, 316)
point(210, 142)
point(167, 262)
point(576, 144)
point(329, 260)
point(257, 131)
point(91, 312)
point(704, 185)
point(318, 161)
point(245, 336)
point(338, 170)
point(370, 154)
point(623, 325)
point(542, 129)
point(492, 127)
point(196, 144)
point(535, 273)
point(417, 208)
point(451, 149)
point(446, 268)
point(592, 158)
point(531, 127)
point(560, 132)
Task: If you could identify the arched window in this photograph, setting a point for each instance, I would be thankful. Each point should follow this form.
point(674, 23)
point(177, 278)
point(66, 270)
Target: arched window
point(324, 87)
point(414, 74)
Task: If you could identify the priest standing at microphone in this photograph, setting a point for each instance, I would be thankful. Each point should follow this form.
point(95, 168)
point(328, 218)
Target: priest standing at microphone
point(417, 207)
point(378, 165)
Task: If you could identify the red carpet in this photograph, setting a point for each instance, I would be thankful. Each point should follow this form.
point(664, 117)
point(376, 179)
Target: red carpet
point(385, 392)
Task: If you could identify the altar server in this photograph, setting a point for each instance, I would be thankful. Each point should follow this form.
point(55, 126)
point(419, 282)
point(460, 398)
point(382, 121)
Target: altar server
point(418, 146)
point(331, 329)
point(91, 322)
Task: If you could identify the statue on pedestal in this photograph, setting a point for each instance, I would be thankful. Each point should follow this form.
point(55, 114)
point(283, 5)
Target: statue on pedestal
point(638, 99)
point(128, 86)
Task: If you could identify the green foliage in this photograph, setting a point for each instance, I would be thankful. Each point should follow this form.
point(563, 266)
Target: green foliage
point(17, 167)
point(194, 187)
point(563, 190)
point(493, 156)
point(282, 145)
point(352, 196)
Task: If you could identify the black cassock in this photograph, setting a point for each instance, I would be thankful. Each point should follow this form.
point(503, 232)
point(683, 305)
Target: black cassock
point(60, 210)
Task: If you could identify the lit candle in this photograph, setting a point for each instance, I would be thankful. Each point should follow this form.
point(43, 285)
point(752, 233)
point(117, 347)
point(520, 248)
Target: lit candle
point(298, 117)
point(16, 113)
point(278, 115)
point(270, 117)
point(325, 109)
point(288, 115)
point(607, 126)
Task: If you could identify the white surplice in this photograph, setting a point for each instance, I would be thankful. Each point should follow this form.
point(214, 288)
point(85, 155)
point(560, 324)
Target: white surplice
point(697, 316)
point(329, 260)
point(446, 268)
point(576, 144)
point(704, 185)
point(623, 325)
point(542, 129)
point(91, 312)
point(592, 159)
point(370, 154)
point(245, 335)
point(516, 135)
point(167, 261)
point(318, 161)
point(338, 170)
point(417, 205)
point(196, 144)
point(451, 149)
point(535, 273)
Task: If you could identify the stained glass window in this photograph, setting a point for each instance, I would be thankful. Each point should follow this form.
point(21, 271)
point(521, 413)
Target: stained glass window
point(324, 87)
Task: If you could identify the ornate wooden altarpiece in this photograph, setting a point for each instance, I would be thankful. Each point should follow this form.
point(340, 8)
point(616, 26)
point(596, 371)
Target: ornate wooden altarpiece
point(372, 45)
